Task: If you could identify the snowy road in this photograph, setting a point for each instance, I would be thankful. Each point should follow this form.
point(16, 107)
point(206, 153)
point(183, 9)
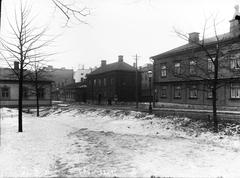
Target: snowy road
point(92, 144)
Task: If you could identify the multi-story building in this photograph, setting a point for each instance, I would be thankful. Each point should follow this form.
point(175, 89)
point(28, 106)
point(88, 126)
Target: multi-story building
point(113, 82)
point(180, 74)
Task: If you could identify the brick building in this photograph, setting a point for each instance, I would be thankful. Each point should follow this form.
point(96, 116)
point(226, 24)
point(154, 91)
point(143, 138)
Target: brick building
point(113, 82)
point(169, 66)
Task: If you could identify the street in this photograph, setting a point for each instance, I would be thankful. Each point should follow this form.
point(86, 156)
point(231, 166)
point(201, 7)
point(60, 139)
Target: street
point(72, 142)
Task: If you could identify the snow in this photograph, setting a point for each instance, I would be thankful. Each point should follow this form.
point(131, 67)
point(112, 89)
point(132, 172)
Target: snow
point(85, 141)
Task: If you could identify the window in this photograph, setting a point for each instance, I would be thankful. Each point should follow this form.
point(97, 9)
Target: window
point(235, 91)
point(211, 65)
point(235, 63)
point(209, 92)
point(112, 81)
point(164, 92)
point(104, 82)
point(95, 82)
point(163, 70)
point(193, 92)
point(177, 92)
point(177, 68)
point(99, 82)
point(41, 93)
point(5, 92)
point(192, 67)
point(25, 92)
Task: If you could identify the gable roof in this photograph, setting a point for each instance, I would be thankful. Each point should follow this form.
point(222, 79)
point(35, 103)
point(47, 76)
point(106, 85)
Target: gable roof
point(116, 66)
point(207, 41)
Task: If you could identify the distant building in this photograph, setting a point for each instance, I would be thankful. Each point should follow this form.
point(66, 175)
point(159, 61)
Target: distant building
point(76, 92)
point(61, 77)
point(145, 87)
point(9, 90)
point(191, 60)
point(113, 82)
point(80, 74)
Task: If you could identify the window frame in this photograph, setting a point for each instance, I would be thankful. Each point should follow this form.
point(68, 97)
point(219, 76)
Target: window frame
point(163, 70)
point(177, 68)
point(236, 91)
point(193, 89)
point(177, 89)
point(8, 92)
point(163, 92)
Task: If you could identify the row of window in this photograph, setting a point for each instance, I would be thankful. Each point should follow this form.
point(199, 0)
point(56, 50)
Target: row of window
point(234, 65)
point(101, 82)
point(5, 92)
point(193, 92)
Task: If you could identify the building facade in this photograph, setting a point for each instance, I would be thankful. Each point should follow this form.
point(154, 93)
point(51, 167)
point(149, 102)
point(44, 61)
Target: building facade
point(184, 74)
point(76, 92)
point(81, 73)
point(9, 91)
point(145, 83)
point(61, 77)
point(115, 82)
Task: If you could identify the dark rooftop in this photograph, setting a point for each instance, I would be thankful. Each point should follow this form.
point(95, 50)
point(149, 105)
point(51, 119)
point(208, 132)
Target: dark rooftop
point(188, 46)
point(116, 66)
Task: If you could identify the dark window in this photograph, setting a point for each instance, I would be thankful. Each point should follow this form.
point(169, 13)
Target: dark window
point(163, 92)
point(41, 92)
point(5, 92)
point(25, 92)
point(193, 92)
point(177, 91)
point(209, 92)
point(177, 68)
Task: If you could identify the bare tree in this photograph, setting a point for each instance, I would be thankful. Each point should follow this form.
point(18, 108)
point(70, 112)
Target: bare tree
point(38, 75)
point(207, 63)
point(25, 44)
point(70, 11)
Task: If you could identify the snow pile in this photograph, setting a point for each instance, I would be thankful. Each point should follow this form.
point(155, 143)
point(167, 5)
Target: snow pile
point(228, 136)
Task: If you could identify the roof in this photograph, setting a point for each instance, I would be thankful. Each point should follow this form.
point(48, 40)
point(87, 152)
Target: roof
point(7, 74)
point(116, 66)
point(207, 41)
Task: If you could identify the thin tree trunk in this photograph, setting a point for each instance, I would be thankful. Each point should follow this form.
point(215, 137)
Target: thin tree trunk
point(37, 97)
point(214, 104)
point(20, 98)
point(214, 92)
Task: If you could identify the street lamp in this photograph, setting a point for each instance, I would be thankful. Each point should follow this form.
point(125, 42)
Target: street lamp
point(150, 90)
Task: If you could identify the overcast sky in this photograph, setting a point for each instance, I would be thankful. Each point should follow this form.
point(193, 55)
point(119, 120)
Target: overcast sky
point(124, 27)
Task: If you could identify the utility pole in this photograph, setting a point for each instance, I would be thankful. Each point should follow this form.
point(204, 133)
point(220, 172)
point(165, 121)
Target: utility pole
point(136, 63)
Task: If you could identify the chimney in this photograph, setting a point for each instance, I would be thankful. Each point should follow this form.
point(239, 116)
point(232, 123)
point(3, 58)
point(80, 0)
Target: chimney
point(134, 65)
point(16, 65)
point(235, 22)
point(193, 37)
point(103, 63)
point(120, 58)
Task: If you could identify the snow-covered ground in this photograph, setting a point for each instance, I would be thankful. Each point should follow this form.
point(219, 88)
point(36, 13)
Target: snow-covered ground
point(75, 141)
